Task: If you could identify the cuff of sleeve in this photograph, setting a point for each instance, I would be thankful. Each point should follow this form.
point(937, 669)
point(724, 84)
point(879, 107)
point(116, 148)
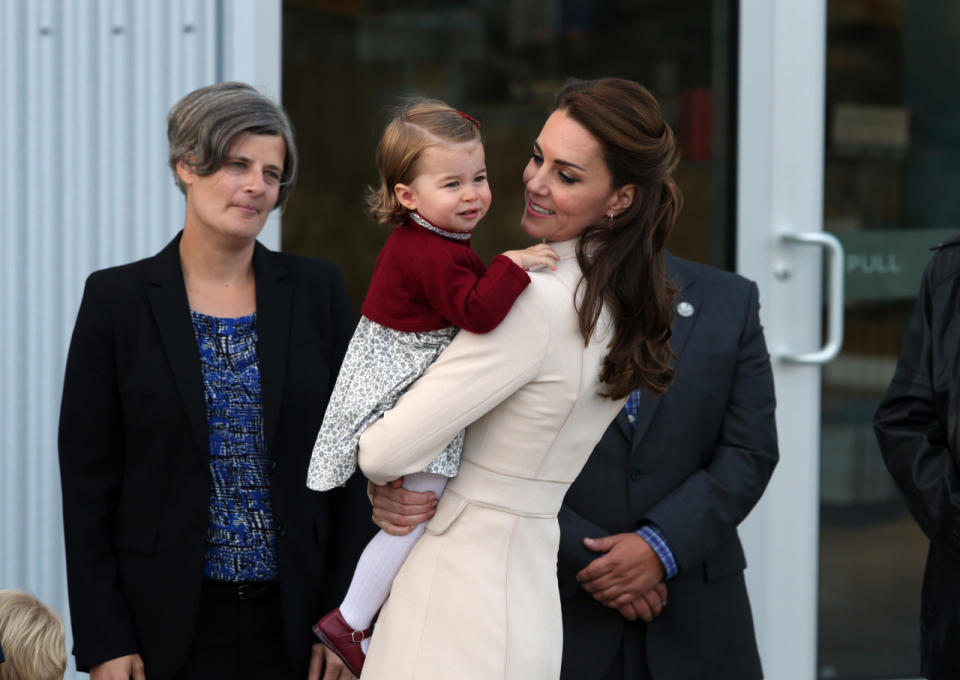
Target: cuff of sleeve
point(655, 538)
point(508, 269)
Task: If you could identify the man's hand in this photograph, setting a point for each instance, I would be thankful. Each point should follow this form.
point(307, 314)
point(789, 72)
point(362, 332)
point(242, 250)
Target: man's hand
point(397, 510)
point(647, 606)
point(629, 569)
point(324, 661)
point(121, 668)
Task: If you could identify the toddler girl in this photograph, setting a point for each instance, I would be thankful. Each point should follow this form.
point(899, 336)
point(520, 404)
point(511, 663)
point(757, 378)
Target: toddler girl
point(427, 284)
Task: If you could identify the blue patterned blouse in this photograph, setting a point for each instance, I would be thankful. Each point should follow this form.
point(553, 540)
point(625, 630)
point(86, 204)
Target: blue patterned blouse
point(241, 543)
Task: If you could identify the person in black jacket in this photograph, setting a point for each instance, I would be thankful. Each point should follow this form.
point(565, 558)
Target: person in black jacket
point(916, 426)
point(195, 384)
point(660, 498)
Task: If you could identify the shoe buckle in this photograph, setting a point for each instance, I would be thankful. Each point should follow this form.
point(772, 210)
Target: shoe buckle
point(354, 634)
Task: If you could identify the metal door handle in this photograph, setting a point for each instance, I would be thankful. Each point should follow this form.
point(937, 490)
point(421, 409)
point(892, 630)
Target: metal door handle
point(834, 342)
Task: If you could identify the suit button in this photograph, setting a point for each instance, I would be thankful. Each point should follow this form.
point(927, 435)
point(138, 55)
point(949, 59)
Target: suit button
point(635, 475)
point(281, 530)
point(273, 466)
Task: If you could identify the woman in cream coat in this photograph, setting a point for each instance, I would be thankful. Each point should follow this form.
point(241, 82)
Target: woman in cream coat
point(477, 598)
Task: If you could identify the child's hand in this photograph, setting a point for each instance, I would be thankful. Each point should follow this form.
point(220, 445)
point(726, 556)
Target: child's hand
point(534, 256)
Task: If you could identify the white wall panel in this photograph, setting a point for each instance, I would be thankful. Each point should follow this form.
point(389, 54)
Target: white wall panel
point(84, 184)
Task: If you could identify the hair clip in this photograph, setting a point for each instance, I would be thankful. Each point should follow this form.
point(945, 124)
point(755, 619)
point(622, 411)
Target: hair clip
point(470, 118)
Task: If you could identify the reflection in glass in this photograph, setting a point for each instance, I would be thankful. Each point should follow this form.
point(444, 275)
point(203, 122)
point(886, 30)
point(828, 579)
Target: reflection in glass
point(345, 61)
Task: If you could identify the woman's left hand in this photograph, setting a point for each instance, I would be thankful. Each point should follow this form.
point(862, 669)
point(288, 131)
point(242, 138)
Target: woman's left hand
point(325, 662)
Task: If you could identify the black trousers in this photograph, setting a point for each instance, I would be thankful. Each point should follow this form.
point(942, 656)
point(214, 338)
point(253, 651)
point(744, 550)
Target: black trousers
point(630, 661)
point(239, 636)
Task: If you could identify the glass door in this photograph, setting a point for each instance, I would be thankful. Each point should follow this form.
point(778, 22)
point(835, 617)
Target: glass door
point(848, 129)
point(834, 117)
point(892, 160)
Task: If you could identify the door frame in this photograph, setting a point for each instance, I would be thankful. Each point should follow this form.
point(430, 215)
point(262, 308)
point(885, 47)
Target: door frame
point(780, 132)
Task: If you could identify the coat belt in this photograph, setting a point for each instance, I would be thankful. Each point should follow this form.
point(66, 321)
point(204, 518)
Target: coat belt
point(516, 495)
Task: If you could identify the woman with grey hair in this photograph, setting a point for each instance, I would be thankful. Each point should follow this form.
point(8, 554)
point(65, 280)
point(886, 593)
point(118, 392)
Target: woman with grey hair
point(195, 384)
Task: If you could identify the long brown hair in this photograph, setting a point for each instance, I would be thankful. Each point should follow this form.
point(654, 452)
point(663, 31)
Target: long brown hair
point(622, 260)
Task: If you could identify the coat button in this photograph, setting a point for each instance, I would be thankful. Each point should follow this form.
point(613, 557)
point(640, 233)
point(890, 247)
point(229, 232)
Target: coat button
point(635, 475)
point(280, 529)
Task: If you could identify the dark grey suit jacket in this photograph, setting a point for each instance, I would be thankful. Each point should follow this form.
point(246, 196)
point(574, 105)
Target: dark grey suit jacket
point(695, 464)
point(134, 456)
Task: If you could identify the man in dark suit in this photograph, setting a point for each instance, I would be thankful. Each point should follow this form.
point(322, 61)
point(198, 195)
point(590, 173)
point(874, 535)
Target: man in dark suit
point(662, 496)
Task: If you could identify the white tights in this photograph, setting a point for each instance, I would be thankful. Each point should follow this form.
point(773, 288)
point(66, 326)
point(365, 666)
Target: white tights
point(381, 560)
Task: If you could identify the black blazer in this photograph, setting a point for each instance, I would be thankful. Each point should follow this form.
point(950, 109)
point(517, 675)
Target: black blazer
point(695, 464)
point(917, 428)
point(134, 456)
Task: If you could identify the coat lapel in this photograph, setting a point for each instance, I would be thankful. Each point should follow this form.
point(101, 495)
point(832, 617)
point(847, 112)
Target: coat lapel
point(622, 422)
point(171, 310)
point(682, 326)
point(274, 300)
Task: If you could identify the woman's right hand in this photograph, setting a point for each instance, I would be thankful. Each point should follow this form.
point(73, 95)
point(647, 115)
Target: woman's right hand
point(397, 510)
point(122, 668)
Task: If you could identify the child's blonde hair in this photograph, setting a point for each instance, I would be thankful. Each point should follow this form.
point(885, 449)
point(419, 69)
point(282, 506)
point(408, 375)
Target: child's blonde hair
point(32, 637)
point(417, 124)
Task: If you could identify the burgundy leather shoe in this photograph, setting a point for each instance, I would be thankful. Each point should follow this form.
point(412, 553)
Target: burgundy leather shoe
point(334, 632)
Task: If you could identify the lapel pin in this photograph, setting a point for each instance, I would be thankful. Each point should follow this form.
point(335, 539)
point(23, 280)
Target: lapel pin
point(685, 309)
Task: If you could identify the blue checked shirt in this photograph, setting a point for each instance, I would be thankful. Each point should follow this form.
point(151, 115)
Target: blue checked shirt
point(650, 532)
point(652, 535)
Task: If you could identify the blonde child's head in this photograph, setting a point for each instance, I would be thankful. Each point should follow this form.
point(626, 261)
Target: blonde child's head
point(416, 125)
point(32, 637)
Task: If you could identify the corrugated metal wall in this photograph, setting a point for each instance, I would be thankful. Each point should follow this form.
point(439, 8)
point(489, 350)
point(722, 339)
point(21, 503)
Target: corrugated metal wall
point(84, 184)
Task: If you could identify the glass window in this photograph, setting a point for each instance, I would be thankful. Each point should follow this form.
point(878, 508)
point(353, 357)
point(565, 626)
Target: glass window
point(345, 62)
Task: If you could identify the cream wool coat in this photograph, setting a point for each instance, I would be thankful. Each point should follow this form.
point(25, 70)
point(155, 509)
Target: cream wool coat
point(477, 598)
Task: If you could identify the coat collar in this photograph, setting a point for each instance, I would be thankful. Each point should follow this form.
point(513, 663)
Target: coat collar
point(565, 249)
point(167, 295)
point(171, 311)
